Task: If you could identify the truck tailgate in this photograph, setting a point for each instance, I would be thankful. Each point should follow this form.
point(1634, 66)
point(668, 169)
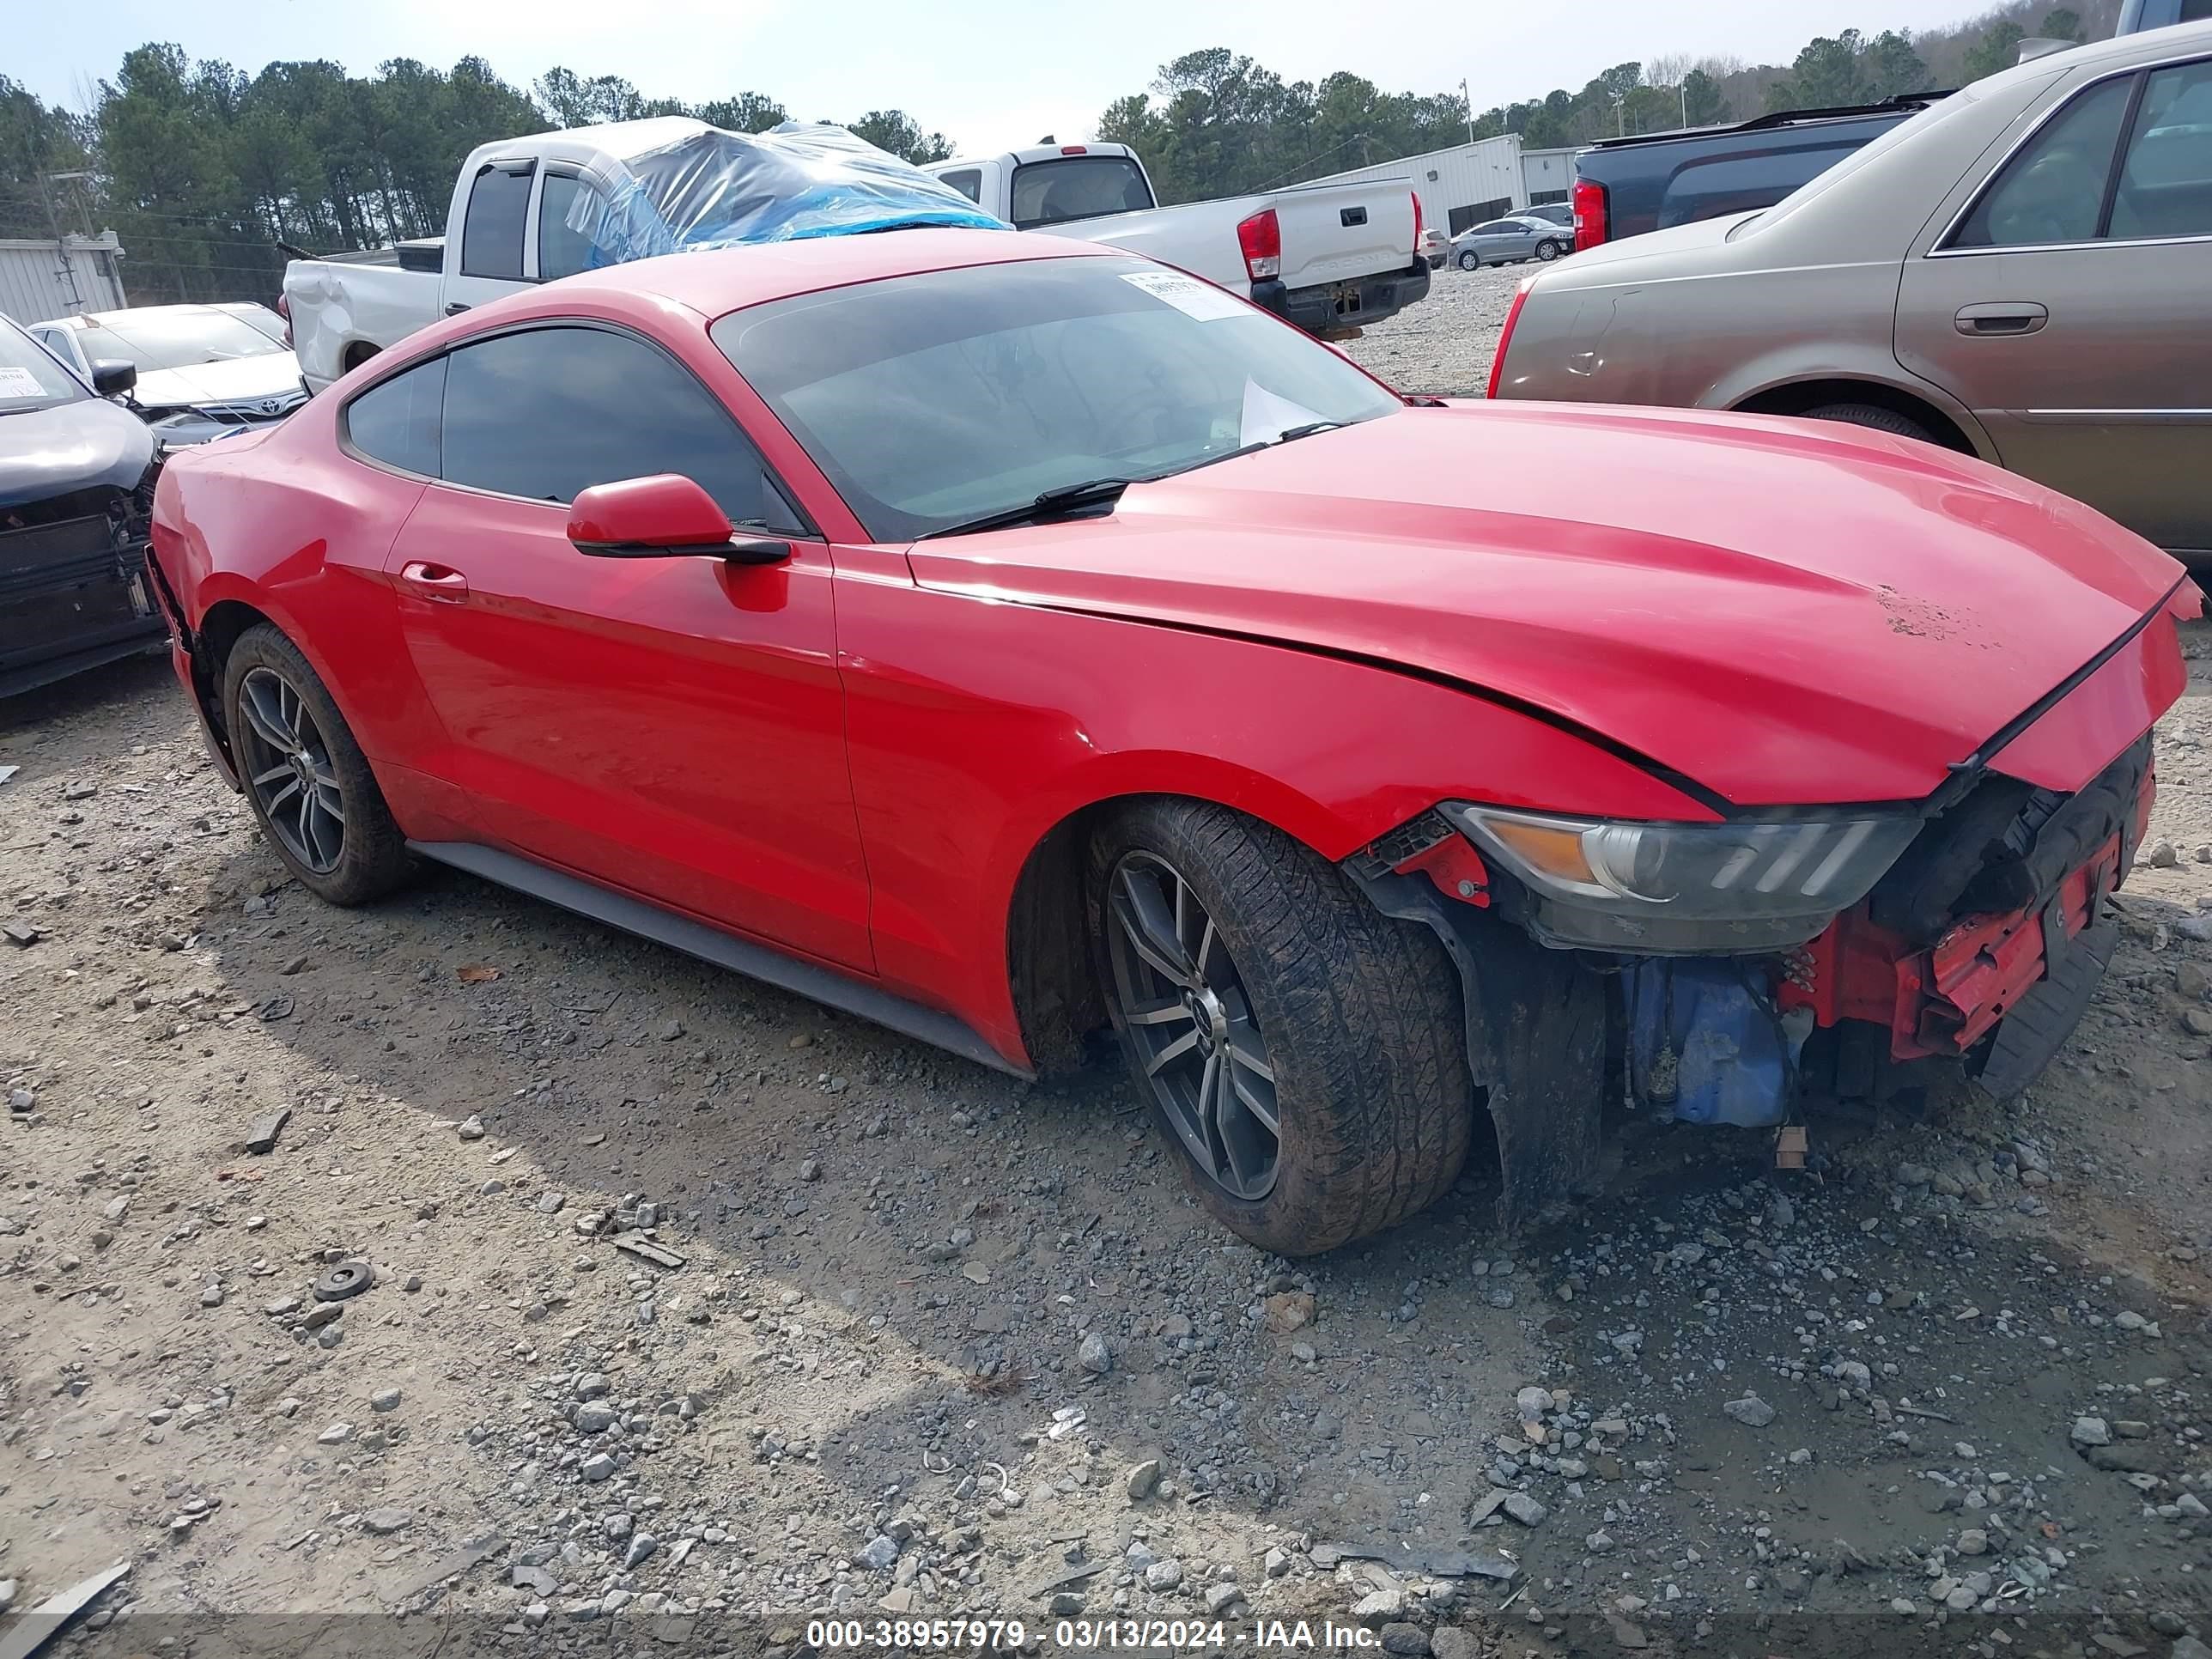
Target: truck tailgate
point(1333, 233)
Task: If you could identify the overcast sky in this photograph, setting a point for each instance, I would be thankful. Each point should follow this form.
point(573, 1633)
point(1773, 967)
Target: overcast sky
point(988, 73)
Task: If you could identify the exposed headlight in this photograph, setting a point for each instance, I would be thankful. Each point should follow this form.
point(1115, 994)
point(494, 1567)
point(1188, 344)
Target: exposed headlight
point(1688, 889)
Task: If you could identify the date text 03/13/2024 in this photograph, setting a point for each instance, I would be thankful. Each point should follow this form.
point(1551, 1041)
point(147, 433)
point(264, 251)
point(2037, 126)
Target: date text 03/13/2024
point(1090, 1635)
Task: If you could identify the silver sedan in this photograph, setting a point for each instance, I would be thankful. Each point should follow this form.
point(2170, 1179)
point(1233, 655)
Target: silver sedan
point(1509, 242)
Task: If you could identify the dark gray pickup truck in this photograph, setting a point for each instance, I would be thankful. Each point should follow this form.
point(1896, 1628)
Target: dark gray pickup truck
point(1626, 186)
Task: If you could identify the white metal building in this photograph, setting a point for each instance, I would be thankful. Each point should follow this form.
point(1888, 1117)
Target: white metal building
point(1549, 175)
point(1458, 187)
point(47, 278)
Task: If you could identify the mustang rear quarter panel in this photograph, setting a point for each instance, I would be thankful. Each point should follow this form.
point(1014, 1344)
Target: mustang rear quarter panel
point(976, 726)
point(301, 536)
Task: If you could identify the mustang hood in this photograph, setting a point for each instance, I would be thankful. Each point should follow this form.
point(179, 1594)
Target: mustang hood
point(1785, 612)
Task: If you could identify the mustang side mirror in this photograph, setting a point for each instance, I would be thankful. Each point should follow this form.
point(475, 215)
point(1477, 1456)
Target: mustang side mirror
point(667, 516)
point(113, 376)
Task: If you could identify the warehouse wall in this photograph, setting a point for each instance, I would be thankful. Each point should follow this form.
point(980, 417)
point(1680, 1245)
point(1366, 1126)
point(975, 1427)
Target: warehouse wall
point(1549, 175)
point(34, 284)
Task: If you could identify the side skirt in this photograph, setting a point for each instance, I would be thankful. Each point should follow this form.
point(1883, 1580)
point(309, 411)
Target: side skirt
point(696, 938)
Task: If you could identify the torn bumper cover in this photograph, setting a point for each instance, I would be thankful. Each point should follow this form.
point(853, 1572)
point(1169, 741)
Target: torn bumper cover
point(1982, 945)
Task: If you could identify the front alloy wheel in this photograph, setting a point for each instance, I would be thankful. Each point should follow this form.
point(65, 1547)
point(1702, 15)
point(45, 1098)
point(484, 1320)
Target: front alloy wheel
point(1192, 1026)
point(1304, 1053)
point(287, 767)
point(1469, 260)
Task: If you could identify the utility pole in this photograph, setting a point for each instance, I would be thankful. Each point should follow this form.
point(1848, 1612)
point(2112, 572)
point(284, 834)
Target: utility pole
point(65, 270)
point(1467, 101)
point(1685, 90)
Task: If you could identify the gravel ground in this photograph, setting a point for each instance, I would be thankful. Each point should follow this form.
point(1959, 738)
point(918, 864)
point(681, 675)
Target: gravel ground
point(1443, 346)
point(692, 1311)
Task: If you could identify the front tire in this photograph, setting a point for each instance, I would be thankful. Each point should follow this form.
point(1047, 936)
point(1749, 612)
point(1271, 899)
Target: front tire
point(1548, 251)
point(1305, 1054)
point(313, 793)
point(1470, 261)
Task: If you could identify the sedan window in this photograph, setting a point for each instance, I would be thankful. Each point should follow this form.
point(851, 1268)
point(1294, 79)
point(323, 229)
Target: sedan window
point(2165, 183)
point(546, 413)
point(934, 400)
point(2054, 188)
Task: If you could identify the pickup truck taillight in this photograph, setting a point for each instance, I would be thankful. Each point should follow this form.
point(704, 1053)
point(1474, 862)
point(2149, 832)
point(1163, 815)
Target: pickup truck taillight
point(1591, 227)
point(1417, 224)
point(1261, 237)
point(284, 310)
point(1505, 335)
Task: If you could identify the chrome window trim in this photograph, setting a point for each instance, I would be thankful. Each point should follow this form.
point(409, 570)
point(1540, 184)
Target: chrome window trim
point(2052, 247)
point(1941, 247)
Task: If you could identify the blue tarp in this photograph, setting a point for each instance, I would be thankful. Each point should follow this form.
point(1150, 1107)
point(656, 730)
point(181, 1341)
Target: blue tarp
point(714, 189)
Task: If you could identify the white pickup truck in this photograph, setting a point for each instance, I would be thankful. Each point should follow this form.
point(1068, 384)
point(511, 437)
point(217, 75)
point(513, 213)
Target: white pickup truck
point(1329, 256)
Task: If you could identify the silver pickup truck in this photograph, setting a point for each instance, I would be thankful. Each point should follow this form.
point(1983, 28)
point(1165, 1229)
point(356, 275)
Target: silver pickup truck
point(1329, 256)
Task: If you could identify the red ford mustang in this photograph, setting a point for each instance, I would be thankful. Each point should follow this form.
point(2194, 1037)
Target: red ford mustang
point(999, 636)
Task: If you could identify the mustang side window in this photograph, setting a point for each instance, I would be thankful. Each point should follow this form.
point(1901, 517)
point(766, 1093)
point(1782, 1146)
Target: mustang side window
point(546, 412)
point(2053, 191)
point(396, 421)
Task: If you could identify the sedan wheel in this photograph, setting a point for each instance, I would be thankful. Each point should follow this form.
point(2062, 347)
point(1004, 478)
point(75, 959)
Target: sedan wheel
point(1548, 251)
point(1469, 260)
point(287, 767)
point(1191, 1022)
point(1303, 1052)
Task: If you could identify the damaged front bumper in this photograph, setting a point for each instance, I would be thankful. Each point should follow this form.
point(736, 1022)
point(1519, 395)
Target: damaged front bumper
point(73, 592)
point(1981, 947)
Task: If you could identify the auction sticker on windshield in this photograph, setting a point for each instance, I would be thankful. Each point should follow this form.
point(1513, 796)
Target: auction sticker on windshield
point(1186, 295)
point(21, 383)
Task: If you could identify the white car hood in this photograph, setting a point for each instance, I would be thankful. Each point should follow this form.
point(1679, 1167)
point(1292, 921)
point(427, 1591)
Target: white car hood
point(236, 379)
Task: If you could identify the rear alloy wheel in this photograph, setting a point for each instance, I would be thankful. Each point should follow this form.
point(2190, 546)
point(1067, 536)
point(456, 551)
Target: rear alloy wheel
point(311, 786)
point(1469, 261)
point(1548, 251)
point(1304, 1053)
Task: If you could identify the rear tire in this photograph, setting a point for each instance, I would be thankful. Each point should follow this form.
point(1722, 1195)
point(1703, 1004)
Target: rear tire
point(325, 817)
point(1469, 262)
point(1354, 1020)
point(1872, 415)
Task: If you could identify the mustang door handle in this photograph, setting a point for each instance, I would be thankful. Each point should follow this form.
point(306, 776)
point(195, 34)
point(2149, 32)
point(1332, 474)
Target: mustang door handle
point(435, 581)
point(2002, 317)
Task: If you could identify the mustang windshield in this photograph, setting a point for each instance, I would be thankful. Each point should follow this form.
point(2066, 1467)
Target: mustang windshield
point(938, 399)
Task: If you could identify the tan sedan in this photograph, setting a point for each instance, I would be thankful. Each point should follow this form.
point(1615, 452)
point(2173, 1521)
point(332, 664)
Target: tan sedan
point(2023, 271)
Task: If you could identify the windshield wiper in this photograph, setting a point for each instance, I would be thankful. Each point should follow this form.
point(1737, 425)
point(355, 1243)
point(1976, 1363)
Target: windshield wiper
point(1044, 505)
point(1092, 491)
